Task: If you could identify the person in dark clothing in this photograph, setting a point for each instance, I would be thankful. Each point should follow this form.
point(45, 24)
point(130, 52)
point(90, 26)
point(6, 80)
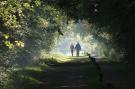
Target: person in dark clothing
point(78, 48)
point(72, 49)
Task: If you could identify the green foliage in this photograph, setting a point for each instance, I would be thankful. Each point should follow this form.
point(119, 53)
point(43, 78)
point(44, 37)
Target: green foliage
point(10, 13)
point(118, 15)
point(28, 26)
point(16, 16)
point(5, 79)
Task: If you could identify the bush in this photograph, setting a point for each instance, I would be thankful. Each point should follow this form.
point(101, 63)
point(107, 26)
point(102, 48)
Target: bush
point(5, 79)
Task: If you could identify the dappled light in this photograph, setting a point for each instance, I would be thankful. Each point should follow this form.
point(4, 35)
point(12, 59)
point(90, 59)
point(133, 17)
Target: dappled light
point(67, 44)
point(84, 32)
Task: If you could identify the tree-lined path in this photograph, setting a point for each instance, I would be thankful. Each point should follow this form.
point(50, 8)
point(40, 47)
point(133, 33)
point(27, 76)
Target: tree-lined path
point(35, 38)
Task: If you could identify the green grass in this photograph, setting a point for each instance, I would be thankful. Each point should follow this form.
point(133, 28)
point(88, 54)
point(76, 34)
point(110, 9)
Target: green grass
point(60, 58)
point(28, 77)
point(54, 57)
point(81, 59)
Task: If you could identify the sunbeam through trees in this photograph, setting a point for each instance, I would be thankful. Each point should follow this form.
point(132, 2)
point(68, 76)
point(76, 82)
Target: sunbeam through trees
point(35, 38)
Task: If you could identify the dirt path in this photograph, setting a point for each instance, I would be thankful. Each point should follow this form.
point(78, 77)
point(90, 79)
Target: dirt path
point(65, 76)
point(71, 76)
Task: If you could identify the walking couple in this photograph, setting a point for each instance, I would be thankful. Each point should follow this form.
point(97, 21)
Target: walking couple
point(77, 48)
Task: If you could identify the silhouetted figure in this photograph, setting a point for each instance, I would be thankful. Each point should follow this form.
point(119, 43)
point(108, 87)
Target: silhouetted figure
point(78, 48)
point(72, 49)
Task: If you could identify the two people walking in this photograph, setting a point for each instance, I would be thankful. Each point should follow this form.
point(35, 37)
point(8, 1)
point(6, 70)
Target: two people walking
point(77, 48)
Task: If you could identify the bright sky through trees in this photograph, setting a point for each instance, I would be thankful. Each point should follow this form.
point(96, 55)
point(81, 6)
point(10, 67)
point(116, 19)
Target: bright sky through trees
point(79, 32)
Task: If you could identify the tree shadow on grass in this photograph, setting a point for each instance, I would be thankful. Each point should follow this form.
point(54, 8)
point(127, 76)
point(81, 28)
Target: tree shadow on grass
point(28, 78)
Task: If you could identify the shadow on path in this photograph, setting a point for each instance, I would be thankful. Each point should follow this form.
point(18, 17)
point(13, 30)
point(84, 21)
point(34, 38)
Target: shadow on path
point(76, 74)
point(65, 76)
